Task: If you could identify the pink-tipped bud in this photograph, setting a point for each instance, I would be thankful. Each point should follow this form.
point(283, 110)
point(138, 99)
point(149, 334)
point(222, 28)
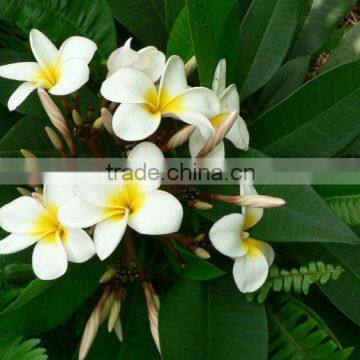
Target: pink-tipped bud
point(57, 118)
point(153, 312)
point(219, 136)
point(252, 201)
point(179, 138)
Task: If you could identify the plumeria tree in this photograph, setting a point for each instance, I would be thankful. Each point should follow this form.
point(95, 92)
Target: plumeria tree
point(107, 264)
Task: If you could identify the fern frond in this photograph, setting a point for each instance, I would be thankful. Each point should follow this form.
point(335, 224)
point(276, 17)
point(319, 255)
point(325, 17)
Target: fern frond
point(14, 347)
point(298, 280)
point(296, 334)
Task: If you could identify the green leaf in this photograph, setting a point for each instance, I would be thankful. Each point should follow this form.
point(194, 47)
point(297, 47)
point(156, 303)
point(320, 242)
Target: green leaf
point(341, 293)
point(265, 37)
point(346, 207)
point(286, 80)
point(13, 347)
point(44, 304)
point(138, 343)
point(173, 9)
point(211, 320)
point(213, 25)
point(18, 138)
point(31, 105)
point(318, 120)
point(180, 42)
point(144, 18)
point(195, 268)
point(347, 50)
point(59, 19)
point(318, 20)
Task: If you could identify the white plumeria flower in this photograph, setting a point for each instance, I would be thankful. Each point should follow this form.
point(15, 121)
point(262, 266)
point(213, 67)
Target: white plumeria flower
point(60, 71)
point(149, 60)
point(128, 201)
point(252, 257)
point(238, 134)
point(30, 222)
point(143, 105)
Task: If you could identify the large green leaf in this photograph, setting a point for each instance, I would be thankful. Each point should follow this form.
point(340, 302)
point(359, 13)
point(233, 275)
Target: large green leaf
point(172, 11)
point(318, 19)
point(286, 80)
point(318, 120)
point(180, 42)
point(214, 31)
point(144, 18)
point(44, 304)
point(59, 19)
point(265, 37)
point(347, 50)
point(138, 343)
point(345, 292)
point(31, 105)
point(203, 321)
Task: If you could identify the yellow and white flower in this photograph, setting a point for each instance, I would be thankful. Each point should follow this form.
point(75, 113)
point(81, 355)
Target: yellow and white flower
point(149, 60)
point(143, 104)
point(30, 222)
point(252, 257)
point(127, 201)
point(229, 103)
point(60, 71)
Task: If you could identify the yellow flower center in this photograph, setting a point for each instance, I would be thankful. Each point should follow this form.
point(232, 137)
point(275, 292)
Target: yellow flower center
point(163, 103)
point(50, 76)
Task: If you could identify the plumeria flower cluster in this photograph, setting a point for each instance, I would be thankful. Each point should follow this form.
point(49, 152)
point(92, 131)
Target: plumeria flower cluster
point(93, 216)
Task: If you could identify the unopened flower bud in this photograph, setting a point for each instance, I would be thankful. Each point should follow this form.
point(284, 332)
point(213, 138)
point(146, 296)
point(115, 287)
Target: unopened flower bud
point(39, 189)
point(23, 192)
point(27, 154)
point(98, 124)
point(200, 238)
point(119, 330)
point(114, 314)
point(252, 201)
point(55, 140)
point(179, 138)
point(78, 120)
point(200, 205)
point(190, 66)
point(38, 197)
point(57, 118)
point(107, 120)
point(108, 275)
point(202, 253)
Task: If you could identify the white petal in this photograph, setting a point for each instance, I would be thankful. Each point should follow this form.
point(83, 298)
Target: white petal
point(225, 235)
point(219, 81)
point(252, 215)
point(17, 242)
point(197, 99)
point(79, 213)
point(161, 213)
point(121, 58)
point(265, 248)
point(152, 63)
point(214, 160)
point(239, 134)
point(250, 271)
point(195, 118)
point(77, 47)
point(74, 74)
point(129, 86)
point(147, 156)
point(133, 122)
point(45, 52)
point(23, 71)
point(230, 99)
point(20, 215)
point(108, 235)
point(173, 81)
point(56, 196)
point(78, 245)
point(49, 258)
point(20, 94)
